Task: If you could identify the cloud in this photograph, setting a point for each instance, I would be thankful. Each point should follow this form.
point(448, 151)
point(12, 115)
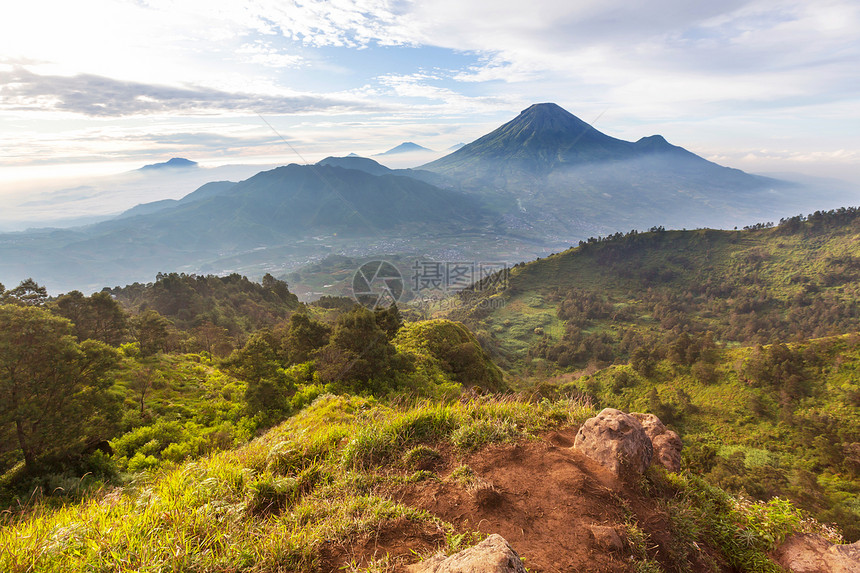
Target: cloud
point(265, 54)
point(98, 96)
point(719, 76)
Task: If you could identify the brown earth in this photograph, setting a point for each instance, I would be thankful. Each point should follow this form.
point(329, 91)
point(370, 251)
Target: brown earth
point(542, 497)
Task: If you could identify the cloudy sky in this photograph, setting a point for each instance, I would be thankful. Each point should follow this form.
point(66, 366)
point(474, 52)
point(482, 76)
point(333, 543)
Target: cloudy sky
point(102, 86)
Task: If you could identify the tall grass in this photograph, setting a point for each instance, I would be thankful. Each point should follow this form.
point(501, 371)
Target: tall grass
point(272, 504)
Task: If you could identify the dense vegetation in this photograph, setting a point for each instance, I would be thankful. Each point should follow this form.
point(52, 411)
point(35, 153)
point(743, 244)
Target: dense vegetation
point(203, 423)
point(324, 480)
point(126, 392)
point(717, 332)
point(232, 302)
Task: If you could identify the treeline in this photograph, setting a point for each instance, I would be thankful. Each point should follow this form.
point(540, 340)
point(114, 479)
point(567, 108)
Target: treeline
point(814, 221)
point(231, 302)
point(77, 370)
point(176, 313)
point(90, 386)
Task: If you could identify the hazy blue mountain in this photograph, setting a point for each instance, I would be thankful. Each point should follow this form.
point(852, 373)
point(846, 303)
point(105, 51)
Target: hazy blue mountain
point(276, 209)
point(148, 208)
point(208, 190)
point(406, 147)
point(367, 165)
point(356, 162)
point(552, 173)
point(174, 163)
point(456, 146)
point(544, 138)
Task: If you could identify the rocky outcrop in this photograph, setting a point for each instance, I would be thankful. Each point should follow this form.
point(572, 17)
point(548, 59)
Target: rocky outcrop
point(617, 441)
point(492, 555)
point(814, 554)
point(666, 443)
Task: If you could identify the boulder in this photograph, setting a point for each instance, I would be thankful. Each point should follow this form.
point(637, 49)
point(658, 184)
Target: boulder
point(492, 555)
point(806, 553)
point(606, 538)
point(615, 440)
point(666, 443)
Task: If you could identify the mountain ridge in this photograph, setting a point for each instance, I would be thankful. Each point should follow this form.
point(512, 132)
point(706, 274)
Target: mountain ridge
point(173, 163)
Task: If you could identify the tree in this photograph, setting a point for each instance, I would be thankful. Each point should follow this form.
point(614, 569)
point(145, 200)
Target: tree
point(359, 351)
point(144, 380)
point(279, 288)
point(389, 320)
point(98, 317)
point(29, 293)
point(54, 391)
point(213, 338)
point(260, 364)
point(304, 336)
point(643, 362)
point(151, 331)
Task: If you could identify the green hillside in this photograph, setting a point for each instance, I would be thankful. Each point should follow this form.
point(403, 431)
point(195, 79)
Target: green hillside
point(216, 424)
point(673, 322)
point(602, 300)
point(349, 484)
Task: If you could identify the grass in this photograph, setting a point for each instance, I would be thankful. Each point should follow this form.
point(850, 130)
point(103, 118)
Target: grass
point(322, 479)
point(271, 505)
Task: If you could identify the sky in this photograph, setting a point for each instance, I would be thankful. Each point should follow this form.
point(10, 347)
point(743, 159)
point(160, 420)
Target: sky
point(98, 87)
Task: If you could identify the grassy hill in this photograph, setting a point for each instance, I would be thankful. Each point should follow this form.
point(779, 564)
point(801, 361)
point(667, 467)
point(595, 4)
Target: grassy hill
point(673, 322)
point(356, 485)
point(797, 280)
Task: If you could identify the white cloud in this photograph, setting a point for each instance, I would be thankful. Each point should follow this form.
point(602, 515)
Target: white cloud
point(707, 74)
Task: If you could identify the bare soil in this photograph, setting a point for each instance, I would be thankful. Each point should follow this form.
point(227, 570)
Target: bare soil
point(542, 496)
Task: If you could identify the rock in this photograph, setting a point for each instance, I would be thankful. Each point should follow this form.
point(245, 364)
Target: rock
point(606, 538)
point(806, 553)
point(492, 555)
point(667, 444)
point(615, 440)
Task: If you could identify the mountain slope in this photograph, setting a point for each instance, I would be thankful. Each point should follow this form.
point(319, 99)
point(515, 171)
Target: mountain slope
point(272, 209)
point(797, 280)
point(670, 322)
point(375, 168)
point(538, 140)
point(350, 483)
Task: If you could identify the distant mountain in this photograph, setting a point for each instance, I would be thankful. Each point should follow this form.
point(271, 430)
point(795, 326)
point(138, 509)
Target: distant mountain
point(406, 147)
point(280, 208)
point(355, 162)
point(175, 163)
point(543, 138)
point(456, 146)
point(374, 168)
point(549, 171)
point(208, 190)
